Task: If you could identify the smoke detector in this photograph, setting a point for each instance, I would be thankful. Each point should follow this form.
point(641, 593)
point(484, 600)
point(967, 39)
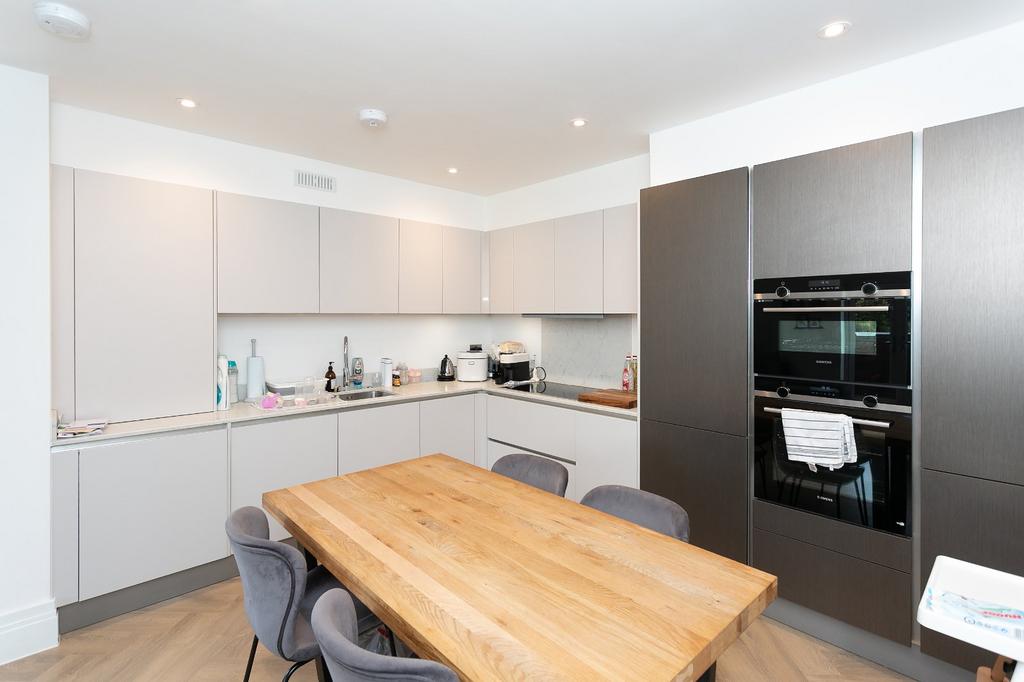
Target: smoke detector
point(372, 118)
point(61, 20)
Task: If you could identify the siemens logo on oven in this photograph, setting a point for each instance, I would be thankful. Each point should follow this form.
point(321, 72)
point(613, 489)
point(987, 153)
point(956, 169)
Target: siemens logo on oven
point(823, 362)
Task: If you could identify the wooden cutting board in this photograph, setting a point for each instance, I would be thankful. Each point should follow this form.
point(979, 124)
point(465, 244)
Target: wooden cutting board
point(610, 397)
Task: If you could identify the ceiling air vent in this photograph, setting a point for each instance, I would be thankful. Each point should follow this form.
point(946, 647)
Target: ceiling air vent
point(323, 183)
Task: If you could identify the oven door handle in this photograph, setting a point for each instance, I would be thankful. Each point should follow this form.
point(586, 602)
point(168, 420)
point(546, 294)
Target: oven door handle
point(830, 309)
point(858, 422)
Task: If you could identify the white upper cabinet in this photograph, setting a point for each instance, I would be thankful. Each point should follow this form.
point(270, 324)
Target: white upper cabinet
point(579, 263)
point(461, 270)
point(534, 267)
point(620, 259)
point(144, 298)
point(419, 267)
point(358, 262)
point(501, 275)
point(62, 291)
point(267, 255)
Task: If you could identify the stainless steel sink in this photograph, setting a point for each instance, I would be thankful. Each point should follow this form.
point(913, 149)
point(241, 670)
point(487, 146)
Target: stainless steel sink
point(363, 395)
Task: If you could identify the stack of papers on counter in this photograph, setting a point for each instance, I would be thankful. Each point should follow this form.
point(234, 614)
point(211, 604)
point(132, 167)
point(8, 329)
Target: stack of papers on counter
point(82, 427)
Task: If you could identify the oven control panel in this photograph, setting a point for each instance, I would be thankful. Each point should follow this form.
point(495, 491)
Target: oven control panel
point(890, 284)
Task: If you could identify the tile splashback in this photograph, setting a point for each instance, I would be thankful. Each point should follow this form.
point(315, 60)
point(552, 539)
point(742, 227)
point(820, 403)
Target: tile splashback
point(586, 351)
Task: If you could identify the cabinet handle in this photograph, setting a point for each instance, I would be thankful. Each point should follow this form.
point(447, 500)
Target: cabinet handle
point(858, 422)
point(830, 309)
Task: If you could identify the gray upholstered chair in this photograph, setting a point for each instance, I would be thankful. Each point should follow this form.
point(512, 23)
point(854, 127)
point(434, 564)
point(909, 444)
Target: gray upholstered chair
point(539, 472)
point(334, 623)
point(642, 508)
point(279, 591)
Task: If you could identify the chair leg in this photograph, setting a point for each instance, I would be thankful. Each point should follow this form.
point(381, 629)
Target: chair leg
point(252, 657)
point(291, 670)
point(391, 640)
point(323, 673)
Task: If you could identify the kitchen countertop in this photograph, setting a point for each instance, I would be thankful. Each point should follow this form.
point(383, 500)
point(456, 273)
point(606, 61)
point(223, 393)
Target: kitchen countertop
point(245, 412)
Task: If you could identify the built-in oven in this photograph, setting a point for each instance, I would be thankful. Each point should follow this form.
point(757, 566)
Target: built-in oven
point(842, 330)
point(874, 492)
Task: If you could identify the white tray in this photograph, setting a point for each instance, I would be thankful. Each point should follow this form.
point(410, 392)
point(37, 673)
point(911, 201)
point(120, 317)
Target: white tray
point(974, 604)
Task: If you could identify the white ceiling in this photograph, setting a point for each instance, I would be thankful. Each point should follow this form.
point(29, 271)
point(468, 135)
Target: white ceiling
point(488, 86)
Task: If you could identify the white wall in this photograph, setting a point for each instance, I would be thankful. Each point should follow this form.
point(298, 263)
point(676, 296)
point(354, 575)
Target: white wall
point(28, 621)
point(613, 184)
point(296, 346)
point(979, 75)
point(111, 144)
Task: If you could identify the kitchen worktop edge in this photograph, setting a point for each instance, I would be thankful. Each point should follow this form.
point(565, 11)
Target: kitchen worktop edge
point(244, 412)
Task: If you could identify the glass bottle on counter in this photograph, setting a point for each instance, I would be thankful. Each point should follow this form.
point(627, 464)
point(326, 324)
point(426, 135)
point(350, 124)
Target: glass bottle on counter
point(331, 378)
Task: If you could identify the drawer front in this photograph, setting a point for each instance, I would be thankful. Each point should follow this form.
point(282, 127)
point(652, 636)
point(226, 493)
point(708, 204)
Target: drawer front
point(496, 451)
point(547, 429)
point(863, 594)
point(888, 550)
point(151, 507)
point(606, 452)
point(277, 454)
point(973, 520)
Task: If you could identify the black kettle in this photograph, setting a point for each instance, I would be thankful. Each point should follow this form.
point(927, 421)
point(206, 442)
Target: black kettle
point(447, 371)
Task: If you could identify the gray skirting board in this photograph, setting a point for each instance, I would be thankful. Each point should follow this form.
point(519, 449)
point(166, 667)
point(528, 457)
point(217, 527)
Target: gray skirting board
point(80, 614)
point(905, 660)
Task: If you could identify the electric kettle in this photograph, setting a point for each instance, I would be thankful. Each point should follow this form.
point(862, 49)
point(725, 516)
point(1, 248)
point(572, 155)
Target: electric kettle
point(447, 371)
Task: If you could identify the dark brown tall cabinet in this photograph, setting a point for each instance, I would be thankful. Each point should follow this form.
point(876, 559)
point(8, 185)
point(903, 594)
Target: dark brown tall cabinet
point(838, 211)
point(972, 383)
point(694, 260)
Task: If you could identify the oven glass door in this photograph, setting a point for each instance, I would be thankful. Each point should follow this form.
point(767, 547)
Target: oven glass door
point(874, 492)
point(864, 341)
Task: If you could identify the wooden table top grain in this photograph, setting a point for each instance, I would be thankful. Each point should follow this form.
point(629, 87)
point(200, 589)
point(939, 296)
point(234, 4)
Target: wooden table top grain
point(501, 581)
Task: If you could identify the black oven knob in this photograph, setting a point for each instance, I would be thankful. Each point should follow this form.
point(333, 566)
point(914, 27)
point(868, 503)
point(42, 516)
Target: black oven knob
point(871, 401)
point(782, 292)
point(782, 392)
point(869, 289)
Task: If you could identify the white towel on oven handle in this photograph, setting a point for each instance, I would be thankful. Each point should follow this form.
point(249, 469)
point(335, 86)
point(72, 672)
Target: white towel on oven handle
point(819, 438)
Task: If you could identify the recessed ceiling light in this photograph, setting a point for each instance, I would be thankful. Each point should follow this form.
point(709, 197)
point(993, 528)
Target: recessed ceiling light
point(834, 29)
point(187, 103)
point(578, 122)
point(453, 170)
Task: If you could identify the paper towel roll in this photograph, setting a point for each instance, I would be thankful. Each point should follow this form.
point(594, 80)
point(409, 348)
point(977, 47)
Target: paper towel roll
point(256, 385)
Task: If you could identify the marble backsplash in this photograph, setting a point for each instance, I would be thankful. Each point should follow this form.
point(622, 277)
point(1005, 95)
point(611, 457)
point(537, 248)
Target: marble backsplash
point(588, 352)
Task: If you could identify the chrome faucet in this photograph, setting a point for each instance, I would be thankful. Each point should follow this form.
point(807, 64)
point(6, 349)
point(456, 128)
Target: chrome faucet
point(344, 367)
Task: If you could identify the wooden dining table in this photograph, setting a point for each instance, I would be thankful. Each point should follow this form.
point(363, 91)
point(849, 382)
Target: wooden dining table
point(501, 581)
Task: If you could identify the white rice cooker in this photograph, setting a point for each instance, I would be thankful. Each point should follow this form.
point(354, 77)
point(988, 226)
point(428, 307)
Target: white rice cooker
point(471, 366)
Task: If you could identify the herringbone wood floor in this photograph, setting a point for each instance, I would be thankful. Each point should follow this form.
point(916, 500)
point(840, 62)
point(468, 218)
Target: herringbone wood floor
point(204, 636)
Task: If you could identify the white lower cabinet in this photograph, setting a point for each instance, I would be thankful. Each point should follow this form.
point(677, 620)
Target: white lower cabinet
point(64, 523)
point(496, 451)
point(539, 427)
point(447, 425)
point(606, 452)
point(597, 449)
point(268, 455)
point(377, 436)
point(151, 507)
